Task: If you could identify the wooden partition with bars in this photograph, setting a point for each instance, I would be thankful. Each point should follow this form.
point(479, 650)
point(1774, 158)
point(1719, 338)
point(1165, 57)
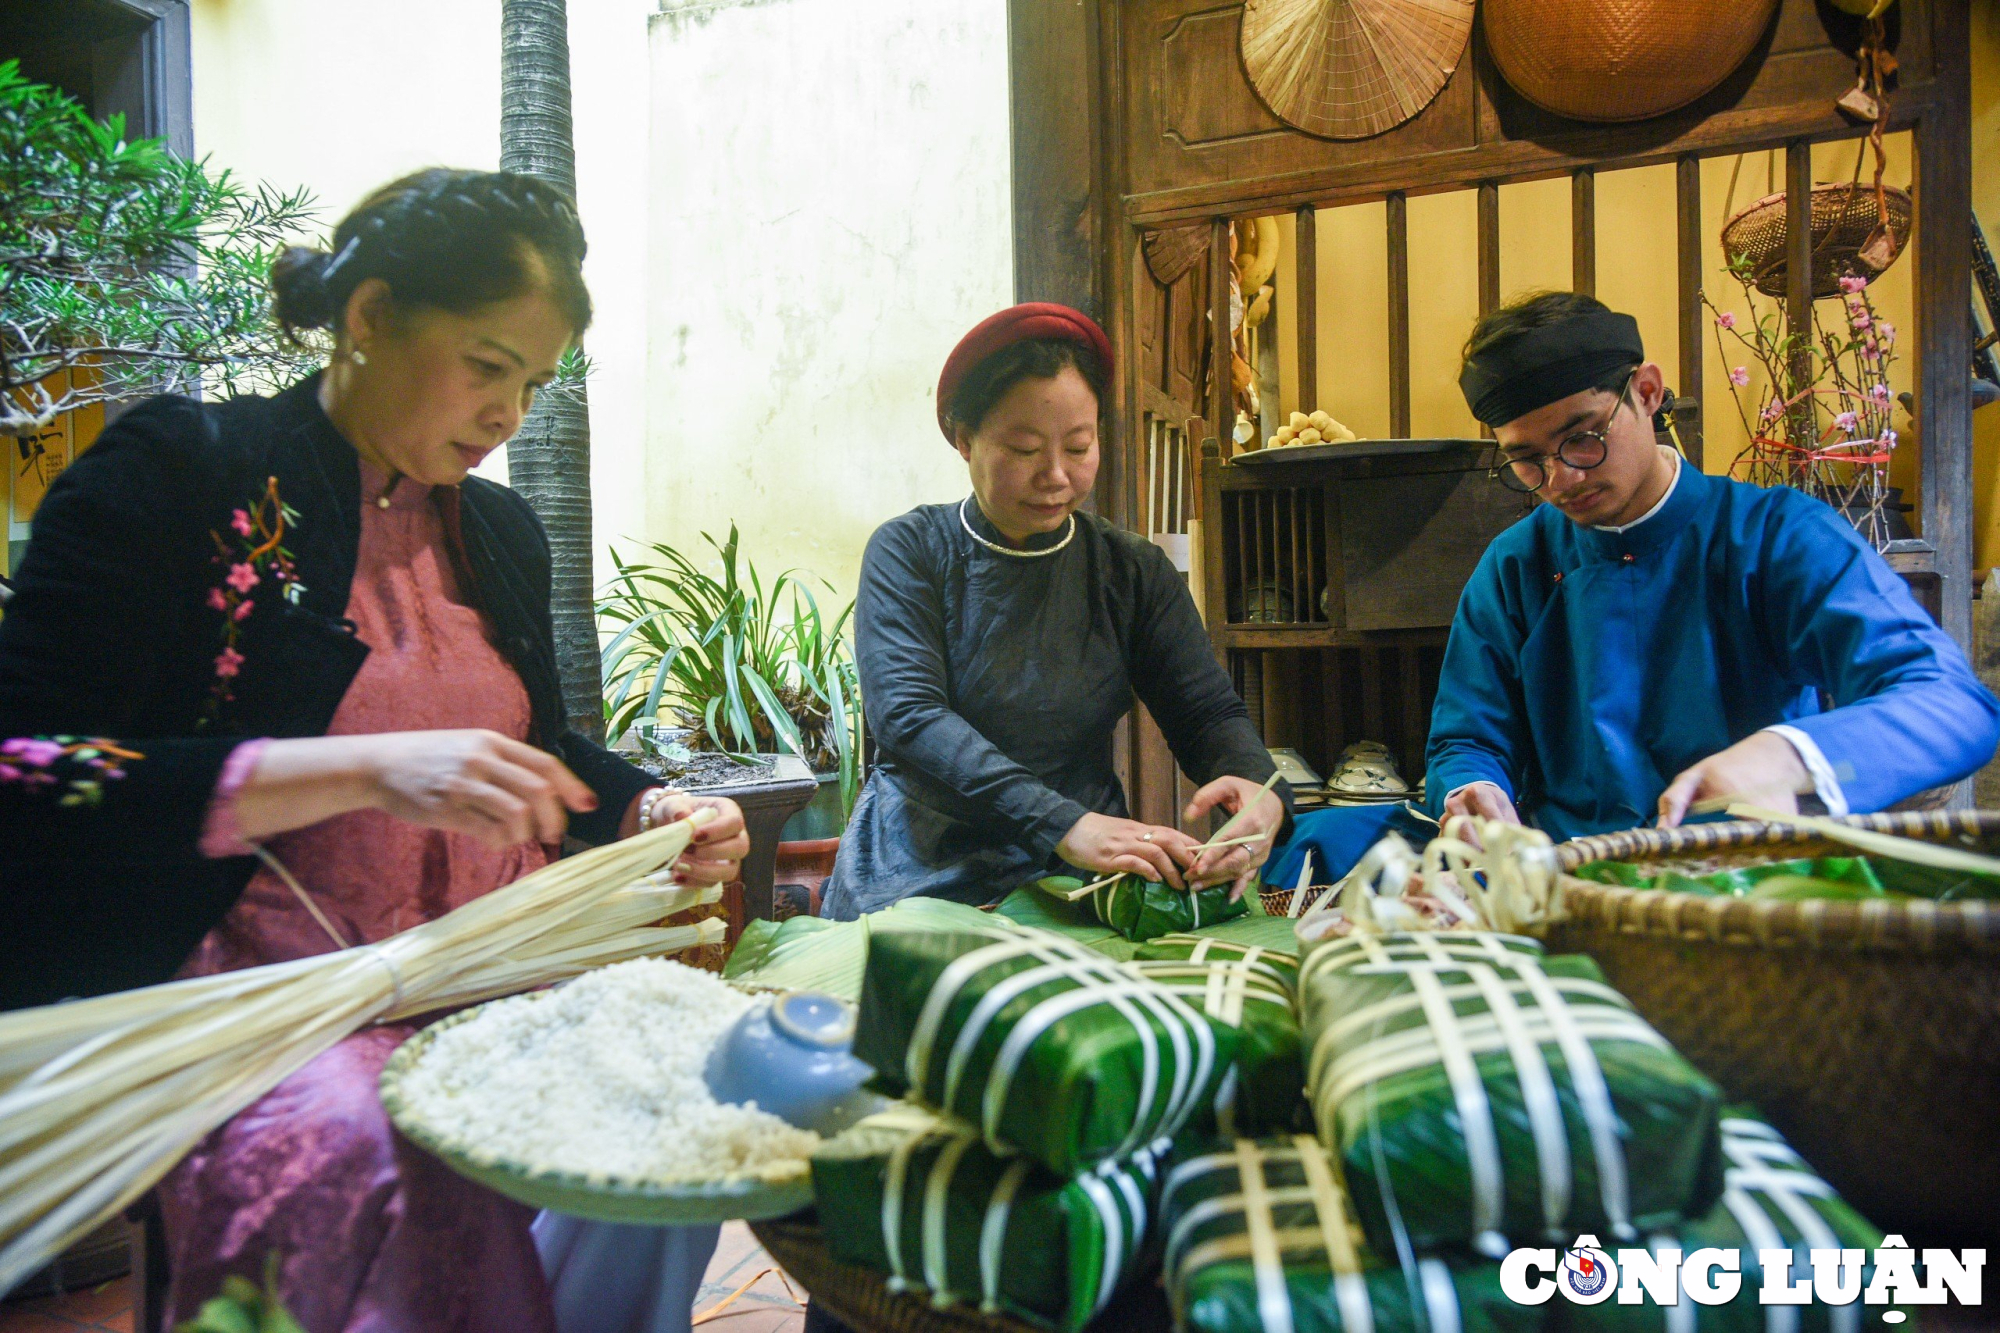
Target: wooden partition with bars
point(1327, 587)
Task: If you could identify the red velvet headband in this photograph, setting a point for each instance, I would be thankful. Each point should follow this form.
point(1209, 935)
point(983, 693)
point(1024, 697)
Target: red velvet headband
point(996, 333)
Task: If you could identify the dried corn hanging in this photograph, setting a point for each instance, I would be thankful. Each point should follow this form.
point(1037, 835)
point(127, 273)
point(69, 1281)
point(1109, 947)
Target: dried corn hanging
point(100, 1098)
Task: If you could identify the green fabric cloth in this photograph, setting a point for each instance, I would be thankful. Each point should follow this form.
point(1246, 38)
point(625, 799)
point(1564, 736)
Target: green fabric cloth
point(1484, 1094)
point(930, 1205)
point(1141, 909)
point(1044, 1044)
point(1310, 1276)
point(1255, 991)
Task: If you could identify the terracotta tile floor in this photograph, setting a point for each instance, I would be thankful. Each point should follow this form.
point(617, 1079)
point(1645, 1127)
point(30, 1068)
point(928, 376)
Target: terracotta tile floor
point(764, 1308)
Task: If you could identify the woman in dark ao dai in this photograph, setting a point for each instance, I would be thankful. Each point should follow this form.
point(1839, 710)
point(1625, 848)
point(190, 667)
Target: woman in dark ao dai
point(1002, 637)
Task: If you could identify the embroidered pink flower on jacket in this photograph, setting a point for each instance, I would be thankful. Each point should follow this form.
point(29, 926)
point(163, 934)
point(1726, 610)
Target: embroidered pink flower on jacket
point(32, 750)
point(254, 557)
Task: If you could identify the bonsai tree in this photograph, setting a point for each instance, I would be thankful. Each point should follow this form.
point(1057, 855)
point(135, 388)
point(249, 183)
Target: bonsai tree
point(748, 669)
point(138, 270)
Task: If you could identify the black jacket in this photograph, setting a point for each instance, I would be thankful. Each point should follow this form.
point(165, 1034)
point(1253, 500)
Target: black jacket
point(994, 685)
point(110, 634)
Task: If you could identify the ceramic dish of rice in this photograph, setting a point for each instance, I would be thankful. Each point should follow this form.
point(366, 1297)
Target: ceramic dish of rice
point(589, 1099)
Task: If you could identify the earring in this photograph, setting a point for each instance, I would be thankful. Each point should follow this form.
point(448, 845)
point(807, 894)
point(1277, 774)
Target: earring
point(358, 357)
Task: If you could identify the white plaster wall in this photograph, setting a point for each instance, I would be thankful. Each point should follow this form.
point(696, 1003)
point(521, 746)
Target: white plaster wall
point(829, 213)
point(296, 94)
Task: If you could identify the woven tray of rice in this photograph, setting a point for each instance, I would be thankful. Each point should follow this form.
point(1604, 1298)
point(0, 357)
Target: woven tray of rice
point(590, 1100)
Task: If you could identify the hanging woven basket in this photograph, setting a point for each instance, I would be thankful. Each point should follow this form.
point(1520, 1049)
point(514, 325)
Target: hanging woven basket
point(1348, 69)
point(1843, 218)
point(1617, 60)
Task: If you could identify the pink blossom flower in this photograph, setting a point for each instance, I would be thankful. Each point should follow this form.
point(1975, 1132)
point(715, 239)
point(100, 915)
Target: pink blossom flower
point(228, 662)
point(28, 750)
point(1885, 331)
point(1880, 393)
point(1774, 411)
point(241, 577)
point(1871, 347)
point(1860, 319)
point(216, 600)
point(243, 610)
point(1739, 376)
point(1852, 283)
point(1888, 439)
point(1846, 421)
point(1725, 320)
point(240, 520)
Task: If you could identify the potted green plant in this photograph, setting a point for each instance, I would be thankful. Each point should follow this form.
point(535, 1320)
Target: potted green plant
point(701, 664)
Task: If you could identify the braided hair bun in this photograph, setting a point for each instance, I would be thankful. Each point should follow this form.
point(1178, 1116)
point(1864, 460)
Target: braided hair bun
point(441, 239)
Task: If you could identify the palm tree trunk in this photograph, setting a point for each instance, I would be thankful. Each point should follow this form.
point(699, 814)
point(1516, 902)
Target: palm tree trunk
point(549, 461)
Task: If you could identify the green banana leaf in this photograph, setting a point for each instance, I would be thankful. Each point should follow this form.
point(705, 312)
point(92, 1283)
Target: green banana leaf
point(1836, 878)
point(1044, 1044)
point(1031, 907)
point(1140, 908)
point(934, 1208)
point(1254, 992)
point(1771, 1200)
point(812, 953)
point(1478, 1093)
point(1259, 1237)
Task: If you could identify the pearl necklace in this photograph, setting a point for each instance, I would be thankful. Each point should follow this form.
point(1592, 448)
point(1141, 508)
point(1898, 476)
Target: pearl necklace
point(1008, 550)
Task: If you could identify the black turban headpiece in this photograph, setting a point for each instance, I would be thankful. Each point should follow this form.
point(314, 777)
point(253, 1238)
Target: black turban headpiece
point(1506, 382)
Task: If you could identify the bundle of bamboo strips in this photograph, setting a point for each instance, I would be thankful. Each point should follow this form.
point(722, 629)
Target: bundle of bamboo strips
point(99, 1098)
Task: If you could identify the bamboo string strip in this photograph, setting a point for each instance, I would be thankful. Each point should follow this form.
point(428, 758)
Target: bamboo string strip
point(1882, 844)
point(99, 1098)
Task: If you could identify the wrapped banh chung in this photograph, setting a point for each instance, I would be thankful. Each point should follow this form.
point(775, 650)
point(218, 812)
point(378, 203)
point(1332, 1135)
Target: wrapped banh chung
point(1260, 1239)
point(1771, 1200)
point(1140, 909)
point(1255, 991)
point(1488, 1094)
point(916, 1196)
point(1047, 1046)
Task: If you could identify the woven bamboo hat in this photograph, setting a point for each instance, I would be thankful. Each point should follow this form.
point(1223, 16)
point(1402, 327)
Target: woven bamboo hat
point(1615, 60)
point(1348, 69)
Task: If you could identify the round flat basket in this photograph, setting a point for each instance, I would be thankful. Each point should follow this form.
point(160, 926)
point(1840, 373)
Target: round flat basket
point(601, 1198)
point(861, 1297)
point(1843, 218)
point(1619, 60)
point(1869, 1032)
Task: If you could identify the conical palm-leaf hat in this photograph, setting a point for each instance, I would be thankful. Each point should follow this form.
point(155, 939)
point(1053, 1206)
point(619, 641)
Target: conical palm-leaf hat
point(1347, 69)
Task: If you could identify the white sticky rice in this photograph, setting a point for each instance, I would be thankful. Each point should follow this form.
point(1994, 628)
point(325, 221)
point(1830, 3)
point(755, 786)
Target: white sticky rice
point(603, 1078)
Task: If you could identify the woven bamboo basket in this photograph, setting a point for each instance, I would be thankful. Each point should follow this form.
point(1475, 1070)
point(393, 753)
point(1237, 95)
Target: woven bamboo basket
point(1619, 60)
point(861, 1299)
point(1843, 218)
point(1869, 1033)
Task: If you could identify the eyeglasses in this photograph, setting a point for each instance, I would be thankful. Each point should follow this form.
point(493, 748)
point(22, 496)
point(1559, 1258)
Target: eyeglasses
point(1582, 451)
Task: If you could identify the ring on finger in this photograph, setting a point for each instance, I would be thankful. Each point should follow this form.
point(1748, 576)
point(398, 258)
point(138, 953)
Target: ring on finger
point(1145, 837)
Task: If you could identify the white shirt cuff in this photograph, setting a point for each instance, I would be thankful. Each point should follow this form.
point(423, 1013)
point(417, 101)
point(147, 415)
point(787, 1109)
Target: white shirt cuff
point(1825, 785)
